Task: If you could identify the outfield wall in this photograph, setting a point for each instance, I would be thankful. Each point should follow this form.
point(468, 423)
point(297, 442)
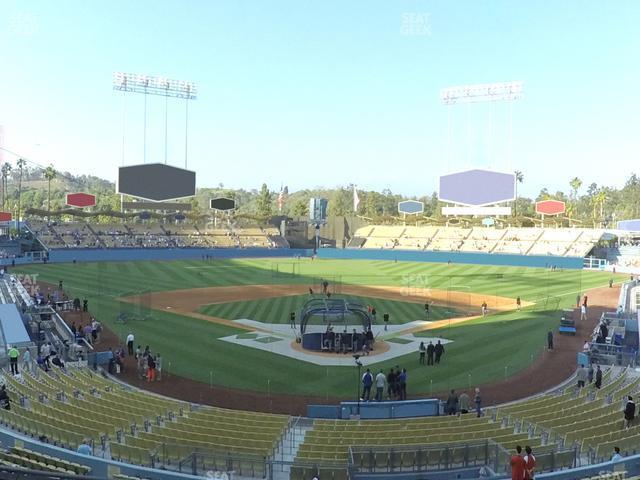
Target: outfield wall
point(454, 257)
point(132, 254)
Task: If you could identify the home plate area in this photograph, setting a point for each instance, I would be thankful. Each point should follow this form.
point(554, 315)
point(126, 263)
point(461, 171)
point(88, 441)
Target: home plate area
point(396, 341)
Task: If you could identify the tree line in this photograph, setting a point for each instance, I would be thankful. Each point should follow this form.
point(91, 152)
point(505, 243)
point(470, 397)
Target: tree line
point(26, 189)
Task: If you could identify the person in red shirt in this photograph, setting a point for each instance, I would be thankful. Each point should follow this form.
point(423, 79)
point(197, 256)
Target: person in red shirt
point(529, 464)
point(517, 465)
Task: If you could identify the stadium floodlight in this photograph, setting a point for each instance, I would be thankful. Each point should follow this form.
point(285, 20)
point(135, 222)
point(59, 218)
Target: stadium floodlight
point(485, 92)
point(148, 84)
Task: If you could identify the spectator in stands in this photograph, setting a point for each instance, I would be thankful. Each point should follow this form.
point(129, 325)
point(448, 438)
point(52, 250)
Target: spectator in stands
point(85, 447)
point(439, 351)
point(86, 332)
point(26, 361)
point(529, 463)
point(45, 351)
point(581, 376)
point(629, 412)
point(55, 360)
point(14, 353)
point(464, 403)
point(380, 383)
point(477, 399)
point(367, 381)
point(452, 403)
point(604, 331)
point(5, 402)
point(423, 350)
point(42, 363)
point(616, 454)
point(549, 340)
point(130, 340)
point(598, 382)
point(518, 465)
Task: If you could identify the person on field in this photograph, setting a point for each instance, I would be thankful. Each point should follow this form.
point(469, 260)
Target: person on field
point(477, 399)
point(549, 340)
point(426, 310)
point(518, 304)
point(583, 313)
point(151, 368)
point(402, 384)
point(439, 351)
point(423, 350)
point(380, 381)
point(158, 367)
point(391, 380)
point(485, 308)
point(130, 340)
point(529, 463)
point(452, 403)
point(464, 403)
point(518, 465)
point(590, 373)
point(430, 352)
point(367, 382)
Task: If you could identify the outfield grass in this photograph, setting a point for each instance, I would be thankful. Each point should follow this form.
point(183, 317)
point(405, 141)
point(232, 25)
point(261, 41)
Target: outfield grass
point(482, 351)
point(278, 310)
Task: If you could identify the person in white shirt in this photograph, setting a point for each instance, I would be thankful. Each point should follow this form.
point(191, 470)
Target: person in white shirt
point(130, 340)
point(583, 312)
point(381, 381)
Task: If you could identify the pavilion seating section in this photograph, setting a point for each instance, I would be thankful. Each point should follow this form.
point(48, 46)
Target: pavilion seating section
point(153, 235)
point(571, 242)
point(80, 404)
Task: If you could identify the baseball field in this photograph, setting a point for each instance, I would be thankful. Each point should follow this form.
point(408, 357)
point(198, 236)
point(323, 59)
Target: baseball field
point(183, 308)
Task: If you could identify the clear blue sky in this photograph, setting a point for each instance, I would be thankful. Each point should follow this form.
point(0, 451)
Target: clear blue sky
point(308, 93)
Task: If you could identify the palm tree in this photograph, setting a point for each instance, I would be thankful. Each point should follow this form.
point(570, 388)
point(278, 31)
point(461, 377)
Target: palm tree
point(575, 185)
point(5, 170)
point(599, 199)
point(519, 178)
point(21, 163)
point(49, 174)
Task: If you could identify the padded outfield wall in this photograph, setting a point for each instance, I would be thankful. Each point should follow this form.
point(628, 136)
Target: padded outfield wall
point(454, 257)
point(132, 254)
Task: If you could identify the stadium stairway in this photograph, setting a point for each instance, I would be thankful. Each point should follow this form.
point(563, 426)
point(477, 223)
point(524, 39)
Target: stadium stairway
point(287, 449)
